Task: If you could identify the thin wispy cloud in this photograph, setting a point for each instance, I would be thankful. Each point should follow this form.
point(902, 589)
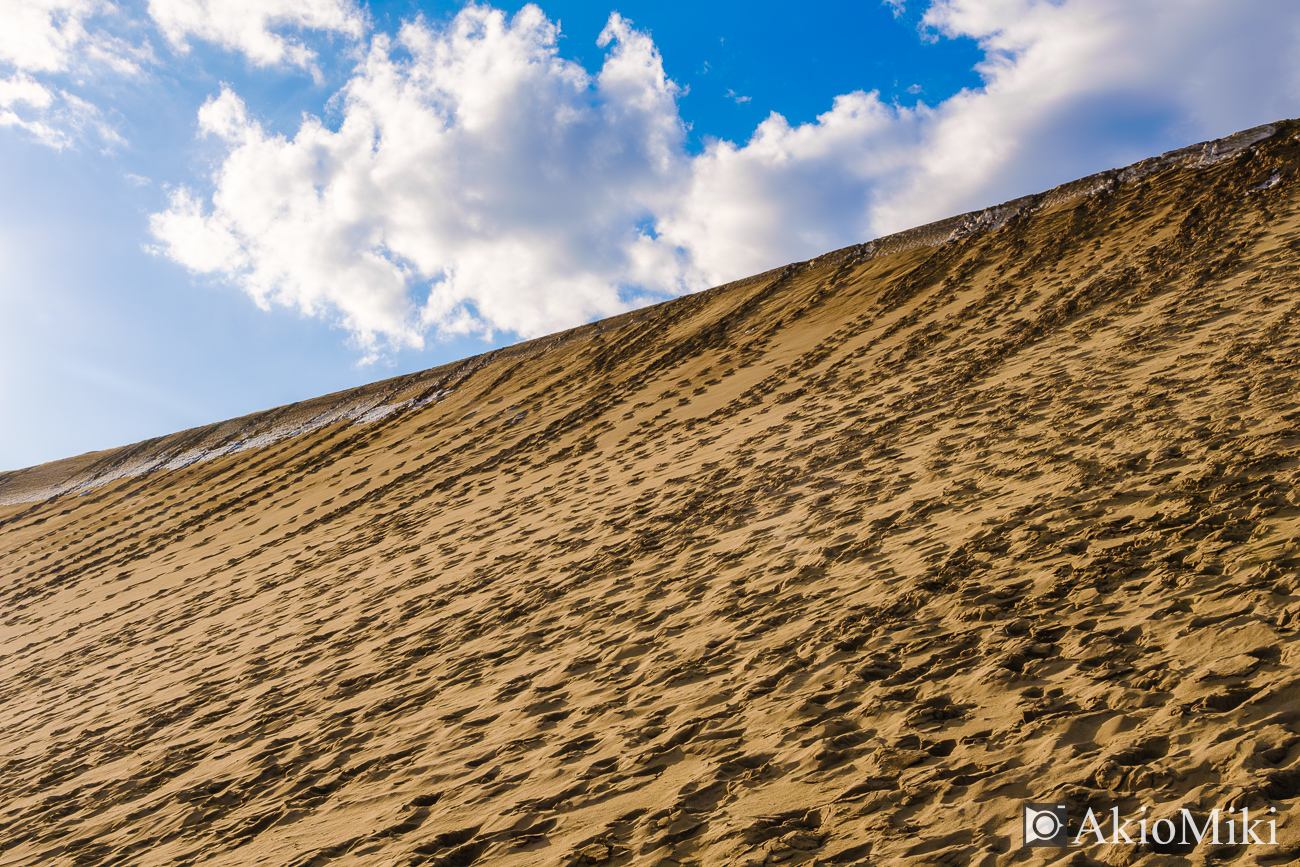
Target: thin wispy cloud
point(42, 41)
point(51, 115)
point(44, 38)
point(54, 36)
point(257, 28)
point(45, 35)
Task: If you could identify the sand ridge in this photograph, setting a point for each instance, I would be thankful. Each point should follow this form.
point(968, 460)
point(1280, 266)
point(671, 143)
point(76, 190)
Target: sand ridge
point(838, 565)
point(377, 400)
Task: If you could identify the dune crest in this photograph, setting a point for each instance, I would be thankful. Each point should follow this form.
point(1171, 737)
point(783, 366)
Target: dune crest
point(839, 564)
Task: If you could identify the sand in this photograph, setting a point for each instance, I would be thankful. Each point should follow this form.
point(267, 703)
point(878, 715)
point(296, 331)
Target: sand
point(837, 565)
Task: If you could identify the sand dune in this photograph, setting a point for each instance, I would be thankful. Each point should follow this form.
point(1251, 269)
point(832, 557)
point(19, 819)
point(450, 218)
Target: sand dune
point(839, 565)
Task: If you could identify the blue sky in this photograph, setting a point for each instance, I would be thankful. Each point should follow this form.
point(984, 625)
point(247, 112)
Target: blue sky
point(210, 207)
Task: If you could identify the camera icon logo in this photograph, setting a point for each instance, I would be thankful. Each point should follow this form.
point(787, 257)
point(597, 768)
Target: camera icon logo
point(1045, 825)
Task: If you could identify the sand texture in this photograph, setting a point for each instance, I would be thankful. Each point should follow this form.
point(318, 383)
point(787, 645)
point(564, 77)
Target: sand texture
point(835, 565)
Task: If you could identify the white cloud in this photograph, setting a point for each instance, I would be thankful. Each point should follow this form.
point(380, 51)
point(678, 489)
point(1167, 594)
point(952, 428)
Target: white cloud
point(1075, 87)
point(41, 35)
point(52, 116)
point(46, 36)
point(250, 26)
point(22, 101)
point(476, 182)
point(792, 192)
point(24, 90)
point(1071, 87)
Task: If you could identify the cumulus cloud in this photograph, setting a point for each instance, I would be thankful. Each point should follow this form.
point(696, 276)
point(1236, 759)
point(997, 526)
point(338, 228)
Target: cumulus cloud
point(251, 26)
point(1071, 87)
point(790, 191)
point(1076, 87)
point(476, 181)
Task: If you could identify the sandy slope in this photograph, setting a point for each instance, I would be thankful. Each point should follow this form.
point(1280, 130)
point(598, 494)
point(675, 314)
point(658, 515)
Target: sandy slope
point(835, 565)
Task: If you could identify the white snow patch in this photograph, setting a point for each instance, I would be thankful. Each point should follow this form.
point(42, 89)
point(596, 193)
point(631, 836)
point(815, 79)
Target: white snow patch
point(362, 411)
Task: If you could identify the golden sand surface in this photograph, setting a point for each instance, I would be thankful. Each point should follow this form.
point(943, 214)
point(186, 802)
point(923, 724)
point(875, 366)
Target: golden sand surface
point(837, 565)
